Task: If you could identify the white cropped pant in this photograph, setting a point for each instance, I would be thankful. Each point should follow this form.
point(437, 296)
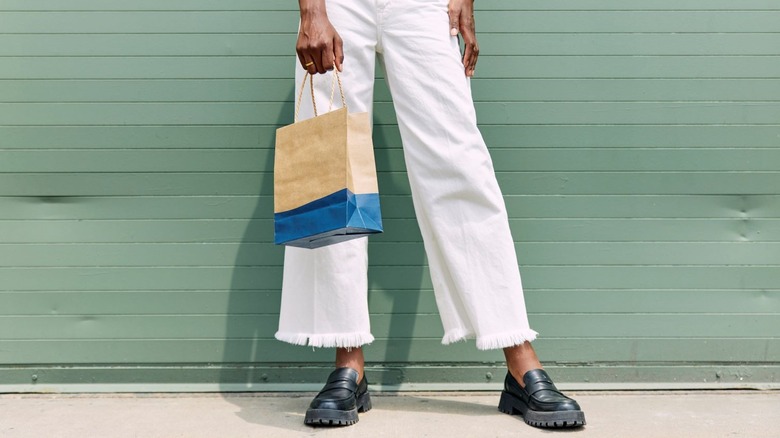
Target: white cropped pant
point(457, 200)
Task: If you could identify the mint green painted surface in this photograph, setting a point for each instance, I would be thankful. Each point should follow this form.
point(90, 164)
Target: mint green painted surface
point(637, 144)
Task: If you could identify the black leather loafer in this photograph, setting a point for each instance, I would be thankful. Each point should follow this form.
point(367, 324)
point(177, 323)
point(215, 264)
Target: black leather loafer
point(540, 403)
point(340, 400)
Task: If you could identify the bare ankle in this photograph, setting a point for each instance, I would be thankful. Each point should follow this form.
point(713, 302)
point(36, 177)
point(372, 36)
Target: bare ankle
point(351, 358)
point(520, 359)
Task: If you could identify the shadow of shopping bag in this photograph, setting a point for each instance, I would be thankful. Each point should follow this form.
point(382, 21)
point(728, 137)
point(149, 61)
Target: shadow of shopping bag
point(325, 185)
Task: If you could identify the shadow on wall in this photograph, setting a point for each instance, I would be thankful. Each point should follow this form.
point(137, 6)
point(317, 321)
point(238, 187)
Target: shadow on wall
point(253, 301)
point(252, 359)
point(404, 303)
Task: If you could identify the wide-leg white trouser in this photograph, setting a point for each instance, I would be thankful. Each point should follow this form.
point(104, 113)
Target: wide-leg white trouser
point(456, 197)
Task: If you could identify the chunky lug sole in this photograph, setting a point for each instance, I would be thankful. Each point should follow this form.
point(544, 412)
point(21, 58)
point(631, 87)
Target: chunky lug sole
point(509, 404)
point(333, 417)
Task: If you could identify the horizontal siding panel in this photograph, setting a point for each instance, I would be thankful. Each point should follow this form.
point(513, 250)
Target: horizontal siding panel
point(586, 5)
point(650, 230)
point(261, 230)
point(383, 254)
point(628, 44)
point(149, 45)
point(561, 351)
point(616, 136)
point(152, 5)
point(630, 66)
point(384, 301)
point(616, 89)
point(637, 21)
point(123, 137)
point(505, 160)
point(171, 302)
point(391, 254)
point(526, 183)
point(399, 277)
point(146, 22)
point(484, 90)
point(638, 183)
point(511, 44)
point(496, 136)
point(165, 90)
point(543, 66)
point(227, 21)
point(149, 231)
point(648, 253)
point(516, 113)
point(742, 207)
point(154, 160)
point(175, 326)
point(27, 67)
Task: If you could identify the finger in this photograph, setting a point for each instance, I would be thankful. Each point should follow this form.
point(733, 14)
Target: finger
point(308, 63)
point(338, 51)
point(321, 64)
point(467, 55)
point(328, 59)
point(305, 59)
point(475, 56)
point(471, 53)
point(324, 58)
point(469, 48)
point(316, 57)
point(454, 21)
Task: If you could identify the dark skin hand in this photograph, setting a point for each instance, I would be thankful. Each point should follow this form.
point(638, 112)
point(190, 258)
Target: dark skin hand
point(462, 20)
point(319, 46)
point(321, 49)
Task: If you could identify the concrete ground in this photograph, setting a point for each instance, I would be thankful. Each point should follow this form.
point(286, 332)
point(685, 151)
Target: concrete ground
point(710, 414)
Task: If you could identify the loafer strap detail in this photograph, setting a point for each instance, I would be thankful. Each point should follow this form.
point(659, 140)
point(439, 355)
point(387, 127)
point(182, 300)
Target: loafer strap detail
point(537, 381)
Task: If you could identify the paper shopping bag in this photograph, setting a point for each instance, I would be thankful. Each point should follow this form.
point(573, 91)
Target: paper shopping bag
point(325, 185)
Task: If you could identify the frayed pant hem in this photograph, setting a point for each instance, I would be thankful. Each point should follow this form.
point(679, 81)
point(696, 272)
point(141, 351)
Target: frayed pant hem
point(456, 335)
point(504, 340)
point(330, 340)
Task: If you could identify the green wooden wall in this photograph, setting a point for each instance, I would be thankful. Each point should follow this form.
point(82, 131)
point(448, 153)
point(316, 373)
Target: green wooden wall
point(637, 144)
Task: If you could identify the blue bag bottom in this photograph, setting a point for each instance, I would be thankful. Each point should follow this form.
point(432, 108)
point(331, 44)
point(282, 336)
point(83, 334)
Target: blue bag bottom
point(335, 218)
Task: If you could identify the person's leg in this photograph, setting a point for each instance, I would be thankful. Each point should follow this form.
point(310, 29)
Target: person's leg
point(351, 358)
point(520, 359)
point(460, 208)
point(324, 296)
point(324, 290)
point(457, 199)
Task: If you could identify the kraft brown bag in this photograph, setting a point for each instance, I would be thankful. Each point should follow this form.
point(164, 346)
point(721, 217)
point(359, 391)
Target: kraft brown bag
point(325, 184)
